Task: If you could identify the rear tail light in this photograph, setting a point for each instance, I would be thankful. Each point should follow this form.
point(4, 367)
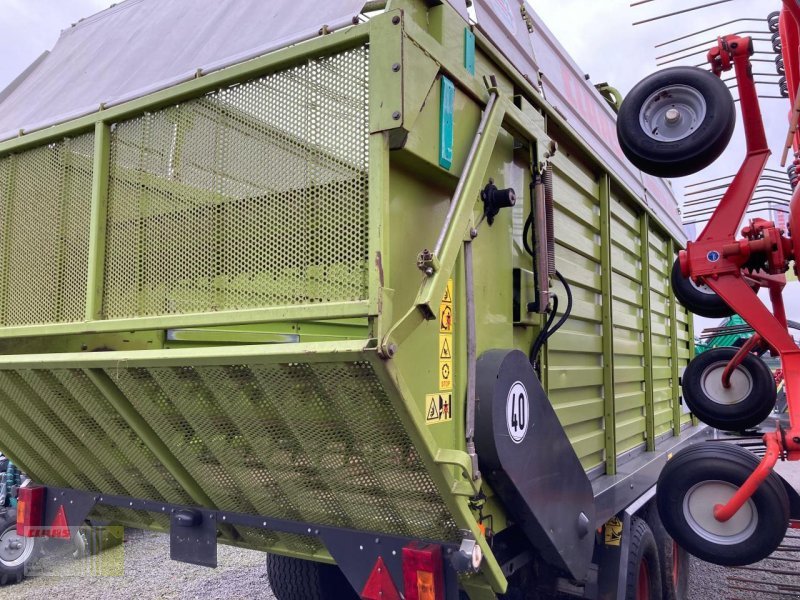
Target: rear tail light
point(30, 511)
point(423, 575)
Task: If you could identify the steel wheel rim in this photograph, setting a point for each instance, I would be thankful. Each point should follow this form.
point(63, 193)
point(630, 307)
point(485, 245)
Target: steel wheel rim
point(711, 384)
point(702, 287)
point(676, 563)
point(15, 549)
point(698, 511)
point(643, 581)
point(672, 113)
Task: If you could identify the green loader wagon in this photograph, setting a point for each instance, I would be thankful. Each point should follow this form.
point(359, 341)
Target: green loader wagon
point(368, 287)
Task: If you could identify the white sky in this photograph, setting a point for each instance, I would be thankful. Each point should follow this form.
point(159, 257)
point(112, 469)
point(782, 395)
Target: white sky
point(597, 33)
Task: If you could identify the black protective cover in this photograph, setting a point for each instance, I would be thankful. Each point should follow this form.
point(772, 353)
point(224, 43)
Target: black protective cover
point(540, 480)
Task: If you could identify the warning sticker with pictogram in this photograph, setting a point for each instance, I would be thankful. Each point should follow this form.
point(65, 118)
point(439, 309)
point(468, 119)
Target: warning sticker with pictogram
point(445, 345)
point(438, 408)
point(448, 293)
point(446, 318)
point(613, 532)
point(445, 374)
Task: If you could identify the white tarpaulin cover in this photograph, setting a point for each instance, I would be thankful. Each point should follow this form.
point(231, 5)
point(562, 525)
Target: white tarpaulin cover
point(140, 46)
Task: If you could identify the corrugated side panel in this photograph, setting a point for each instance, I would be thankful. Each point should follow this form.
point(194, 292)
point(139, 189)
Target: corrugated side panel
point(626, 286)
point(660, 265)
point(684, 346)
point(574, 358)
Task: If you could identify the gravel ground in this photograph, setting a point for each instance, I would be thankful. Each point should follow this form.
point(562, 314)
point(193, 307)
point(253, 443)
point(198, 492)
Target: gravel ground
point(148, 573)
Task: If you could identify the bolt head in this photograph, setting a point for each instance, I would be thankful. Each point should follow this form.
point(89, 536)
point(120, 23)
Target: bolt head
point(395, 20)
point(396, 67)
point(396, 115)
point(672, 116)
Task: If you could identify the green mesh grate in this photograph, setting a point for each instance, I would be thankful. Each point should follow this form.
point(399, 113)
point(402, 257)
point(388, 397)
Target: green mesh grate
point(45, 204)
point(313, 442)
point(254, 195)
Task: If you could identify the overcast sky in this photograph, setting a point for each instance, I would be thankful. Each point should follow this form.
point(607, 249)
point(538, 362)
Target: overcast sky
point(598, 33)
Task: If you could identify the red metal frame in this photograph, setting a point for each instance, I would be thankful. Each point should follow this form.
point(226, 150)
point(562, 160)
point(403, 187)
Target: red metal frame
point(720, 260)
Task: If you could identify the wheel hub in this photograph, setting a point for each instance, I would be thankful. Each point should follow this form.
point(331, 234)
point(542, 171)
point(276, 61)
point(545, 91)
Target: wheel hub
point(672, 113)
point(698, 509)
point(14, 549)
point(741, 384)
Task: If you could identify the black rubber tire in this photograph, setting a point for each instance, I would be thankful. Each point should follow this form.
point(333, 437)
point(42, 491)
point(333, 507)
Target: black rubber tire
point(708, 462)
point(705, 304)
point(692, 153)
point(642, 558)
point(773, 21)
point(675, 561)
point(748, 412)
point(13, 574)
point(296, 579)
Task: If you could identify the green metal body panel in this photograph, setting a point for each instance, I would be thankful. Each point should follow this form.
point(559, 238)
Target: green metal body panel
point(178, 321)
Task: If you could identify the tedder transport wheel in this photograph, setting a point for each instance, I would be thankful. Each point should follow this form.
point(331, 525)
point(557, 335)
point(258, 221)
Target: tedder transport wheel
point(709, 473)
point(16, 552)
point(295, 579)
point(699, 299)
point(644, 573)
point(747, 402)
point(675, 561)
point(676, 122)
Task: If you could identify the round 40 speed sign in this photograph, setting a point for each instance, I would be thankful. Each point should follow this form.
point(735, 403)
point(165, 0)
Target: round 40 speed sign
point(517, 412)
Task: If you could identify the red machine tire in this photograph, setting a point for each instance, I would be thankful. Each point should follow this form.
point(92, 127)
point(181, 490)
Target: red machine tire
point(643, 580)
point(676, 122)
point(675, 561)
point(701, 300)
point(709, 473)
point(749, 400)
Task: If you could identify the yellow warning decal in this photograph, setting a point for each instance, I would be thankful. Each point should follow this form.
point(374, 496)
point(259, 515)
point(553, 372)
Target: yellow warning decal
point(613, 532)
point(445, 346)
point(445, 318)
point(445, 375)
point(448, 293)
point(438, 408)
point(445, 372)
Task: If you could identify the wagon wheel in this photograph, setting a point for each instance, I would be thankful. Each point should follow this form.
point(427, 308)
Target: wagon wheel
point(697, 297)
point(748, 400)
point(676, 122)
point(702, 476)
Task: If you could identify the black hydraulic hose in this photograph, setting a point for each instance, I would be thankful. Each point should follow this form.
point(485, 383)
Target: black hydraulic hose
point(542, 337)
point(568, 310)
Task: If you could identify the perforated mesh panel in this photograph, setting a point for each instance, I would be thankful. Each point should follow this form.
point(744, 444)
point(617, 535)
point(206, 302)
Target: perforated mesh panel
point(45, 205)
point(79, 434)
point(311, 442)
point(252, 196)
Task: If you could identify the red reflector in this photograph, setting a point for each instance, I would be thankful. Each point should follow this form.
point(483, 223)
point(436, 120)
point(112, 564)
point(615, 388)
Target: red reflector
point(423, 576)
point(30, 511)
point(59, 527)
point(380, 586)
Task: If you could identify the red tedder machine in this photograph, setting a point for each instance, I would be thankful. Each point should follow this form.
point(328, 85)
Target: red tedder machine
point(717, 500)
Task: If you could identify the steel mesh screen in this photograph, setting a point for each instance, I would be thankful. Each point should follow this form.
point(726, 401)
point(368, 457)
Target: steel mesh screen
point(311, 442)
point(45, 207)
point(78, 434)
point(252, 196)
